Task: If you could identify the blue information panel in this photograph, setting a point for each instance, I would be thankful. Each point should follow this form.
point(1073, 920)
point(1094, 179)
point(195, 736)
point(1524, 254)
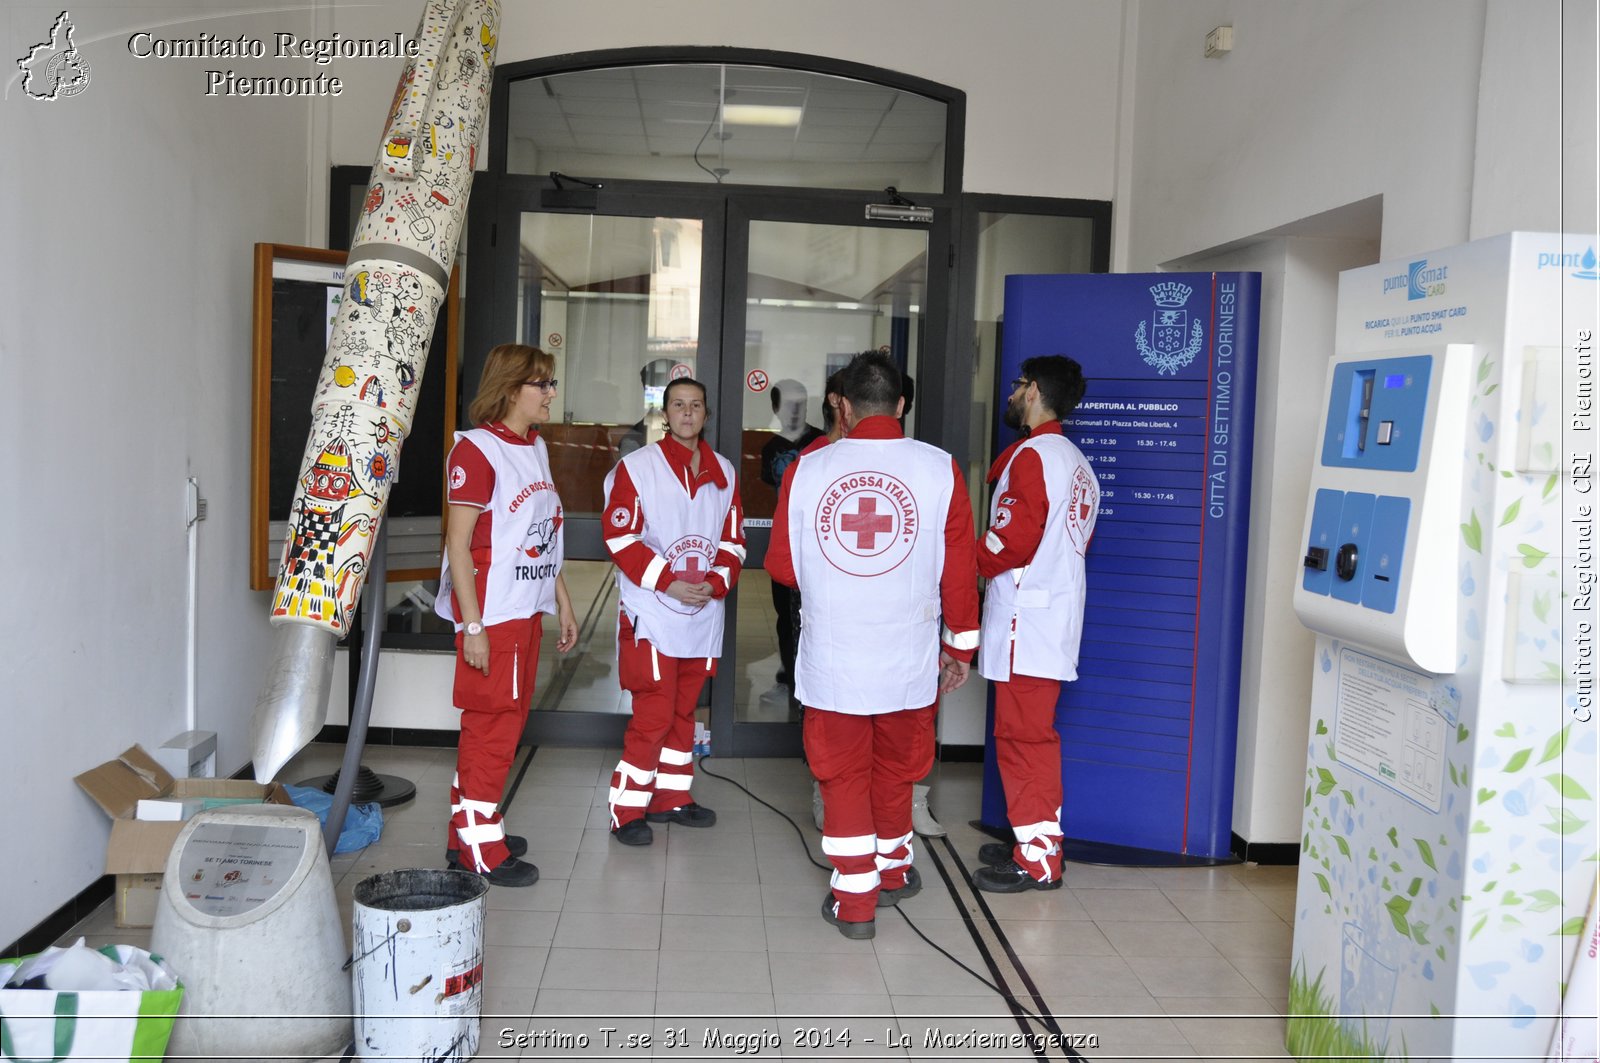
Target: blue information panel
point(1148, 730)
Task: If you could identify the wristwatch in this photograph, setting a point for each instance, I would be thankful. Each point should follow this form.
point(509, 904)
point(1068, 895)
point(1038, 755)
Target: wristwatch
point(474, 628)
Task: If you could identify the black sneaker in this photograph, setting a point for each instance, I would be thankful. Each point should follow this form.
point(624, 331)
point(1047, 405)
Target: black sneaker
point(516, 844)
point(853, 931)
point(634, 832)
point(689, 815)
point(512, 872)
point(913, 886)
point(995, 853)
point(1010, 878)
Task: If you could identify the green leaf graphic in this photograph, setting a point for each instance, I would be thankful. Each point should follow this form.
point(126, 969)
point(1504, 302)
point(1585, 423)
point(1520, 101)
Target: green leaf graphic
point(1531, 555)
point(1541, 607)
point(1427, 853)
point(1571, 928)
point(1543, 900)
point(1518, 759)
point(1565, 822)
point(1484, 795)
point(1506, 730)
point(1416, 885)
point(1550, 485)
point(1308, 797)
point(1484, 368)
point(1344, 846)
point(1472, 534)
point(1511, 513)
point(1349, 797)
point(1322, 728)
point(1482, 919)
point(1322, 880)
point(1327, 784)
point(1567, 786)
point(1398, 907)
point(1557, 745)
point(1394, 837)
point(1461, 732)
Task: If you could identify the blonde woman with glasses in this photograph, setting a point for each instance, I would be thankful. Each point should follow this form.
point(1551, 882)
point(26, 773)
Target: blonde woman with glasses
point(501, 576)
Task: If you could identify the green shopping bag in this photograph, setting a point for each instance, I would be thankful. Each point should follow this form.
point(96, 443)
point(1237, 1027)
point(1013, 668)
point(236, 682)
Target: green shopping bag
point(50, 1026)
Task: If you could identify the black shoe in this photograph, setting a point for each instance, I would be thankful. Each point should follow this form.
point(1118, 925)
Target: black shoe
point(634, 832)
point(510, 872)
point(853, 931)
point(995, 853)
point(1010, 878)
point(689, 815)
point(516, 845)
point(913, 886)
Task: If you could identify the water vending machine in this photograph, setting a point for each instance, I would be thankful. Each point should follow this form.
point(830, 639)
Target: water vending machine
point(1449, 835)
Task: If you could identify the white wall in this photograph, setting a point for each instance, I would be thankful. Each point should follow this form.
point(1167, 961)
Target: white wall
point(1324, 104)
point(128, 220)
point(1452, 114)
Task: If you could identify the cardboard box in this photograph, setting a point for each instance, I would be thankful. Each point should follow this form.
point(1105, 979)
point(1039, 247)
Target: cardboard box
point(168, 809)
point(137, 850)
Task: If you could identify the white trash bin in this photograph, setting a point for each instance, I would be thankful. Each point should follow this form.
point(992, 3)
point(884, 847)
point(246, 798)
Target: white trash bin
point(418, 957)
point(248, 920)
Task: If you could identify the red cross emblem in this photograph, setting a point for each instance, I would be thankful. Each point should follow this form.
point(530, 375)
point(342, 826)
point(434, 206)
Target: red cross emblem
point(691, 572)
point(867, 522)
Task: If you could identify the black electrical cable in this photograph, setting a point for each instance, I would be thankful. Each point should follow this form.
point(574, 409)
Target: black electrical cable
point(715, 176)
point(1008, 997)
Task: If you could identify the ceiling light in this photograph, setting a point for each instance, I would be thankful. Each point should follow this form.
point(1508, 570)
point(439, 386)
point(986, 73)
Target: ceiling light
point(761, 114)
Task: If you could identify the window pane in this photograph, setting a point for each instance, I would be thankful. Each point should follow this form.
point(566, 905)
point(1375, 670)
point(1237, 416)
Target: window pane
point(617, 301)
point(747, 125)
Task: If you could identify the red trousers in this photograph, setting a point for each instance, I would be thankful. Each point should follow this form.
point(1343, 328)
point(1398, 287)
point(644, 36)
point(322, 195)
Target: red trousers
point(657, 765)
point(494, 708)
point(866, 765)
point(1028, 751)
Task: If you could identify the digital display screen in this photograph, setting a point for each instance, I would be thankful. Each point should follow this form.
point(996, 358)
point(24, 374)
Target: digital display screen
point(1395, 380)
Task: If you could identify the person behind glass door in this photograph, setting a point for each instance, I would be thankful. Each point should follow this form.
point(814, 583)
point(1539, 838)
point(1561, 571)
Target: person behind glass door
point(793, 436)
point(673, 526)
point(876, 531)
point(501, 575)
point(651, 427)
point(1044, 505)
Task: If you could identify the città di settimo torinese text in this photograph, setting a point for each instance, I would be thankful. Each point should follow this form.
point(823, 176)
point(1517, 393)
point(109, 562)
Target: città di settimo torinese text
point(320, 50)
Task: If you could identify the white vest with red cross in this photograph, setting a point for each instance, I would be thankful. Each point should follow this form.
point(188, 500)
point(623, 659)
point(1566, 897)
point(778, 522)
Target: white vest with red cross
point(526, 540)
point(866, 531)
point(1040, 605)
point(684, 532)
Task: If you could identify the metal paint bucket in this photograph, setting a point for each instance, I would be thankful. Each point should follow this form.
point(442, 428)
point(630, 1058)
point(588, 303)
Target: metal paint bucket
point(418, 958)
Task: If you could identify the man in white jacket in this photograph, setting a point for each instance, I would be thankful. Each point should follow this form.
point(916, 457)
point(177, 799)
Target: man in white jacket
point(1044, 506)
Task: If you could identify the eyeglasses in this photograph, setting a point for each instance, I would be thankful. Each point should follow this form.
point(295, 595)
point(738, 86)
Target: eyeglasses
point(542, 385)
point(1019, 383)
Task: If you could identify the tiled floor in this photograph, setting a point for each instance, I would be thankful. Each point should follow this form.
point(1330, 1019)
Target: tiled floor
point(719, 929)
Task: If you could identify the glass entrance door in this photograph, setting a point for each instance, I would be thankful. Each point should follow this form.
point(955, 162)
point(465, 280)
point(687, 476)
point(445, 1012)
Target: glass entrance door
point(619, 299)
point(808, 290)
point(762, 299)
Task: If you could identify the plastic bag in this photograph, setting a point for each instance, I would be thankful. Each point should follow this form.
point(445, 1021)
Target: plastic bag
point(112, 1003)
point(362, 825)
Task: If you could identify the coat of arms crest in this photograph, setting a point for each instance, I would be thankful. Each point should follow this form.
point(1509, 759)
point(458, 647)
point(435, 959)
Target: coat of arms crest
point(1172, 340)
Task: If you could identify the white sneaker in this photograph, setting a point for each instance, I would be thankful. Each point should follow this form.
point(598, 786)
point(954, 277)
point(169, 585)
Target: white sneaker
point(922, 820)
